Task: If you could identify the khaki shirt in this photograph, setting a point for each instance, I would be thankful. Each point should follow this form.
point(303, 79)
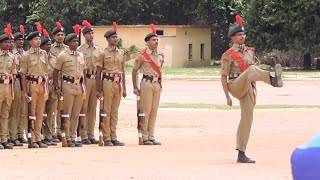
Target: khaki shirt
point(17, 59)
point(7, 65)
point(144, 65)
point(71, 63)
point(230, 65)
point(35, 64)
point(52, 60)
point(57, 48)
point(90, 55)
point(111, 60)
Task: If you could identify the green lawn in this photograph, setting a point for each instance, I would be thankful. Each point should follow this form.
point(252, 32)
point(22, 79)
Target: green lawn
point(225, 107)
point(212, 73)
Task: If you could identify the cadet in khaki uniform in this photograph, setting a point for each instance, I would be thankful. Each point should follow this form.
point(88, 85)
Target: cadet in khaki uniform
point(34, 68)
point(18, 51)
point(89, 50)
point(238, 76)
point(52, 102)
point(72, 65)
point(7, 69)
point(15, 109)
point(150, 86)
point(110, 65)
point(58, 34)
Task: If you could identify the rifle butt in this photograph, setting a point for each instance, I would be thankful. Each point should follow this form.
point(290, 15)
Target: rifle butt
point(64, 140)
point(101, 143)
point(140, 137)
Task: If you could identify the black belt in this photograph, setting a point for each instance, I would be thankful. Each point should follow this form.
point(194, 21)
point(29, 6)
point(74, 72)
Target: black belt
point(110, 76)
point(90, 76)
point(2, 81)
point(147, 77)
point(70, 79)
point(17, 76)
point(34, 79)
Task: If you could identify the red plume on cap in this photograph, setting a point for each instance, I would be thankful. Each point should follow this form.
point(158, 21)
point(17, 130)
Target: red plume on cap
point(22, 29)
point(46, 34)
point(239, 21)
point(87, 24)
point(153, 28)
point(59, 26)
point(7, 30)
point(77, 29)
point(39, 27)
point(115, 27)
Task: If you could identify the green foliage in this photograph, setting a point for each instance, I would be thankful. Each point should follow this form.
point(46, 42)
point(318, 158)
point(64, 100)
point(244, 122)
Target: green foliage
point(273, 24)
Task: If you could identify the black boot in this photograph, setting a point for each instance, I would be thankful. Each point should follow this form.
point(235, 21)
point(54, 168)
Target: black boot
point(108, 143)
point(77, 144)
point(16, 142)
point(71, 144)
point(117, 143)
point(41, 144)
point(276, 81)
point(22, 140)
point(242, 158)
point(7, 145)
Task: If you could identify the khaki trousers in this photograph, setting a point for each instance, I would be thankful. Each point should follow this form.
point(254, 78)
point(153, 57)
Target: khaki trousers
point(89, 121)
point(37, 109)
point(51, 110)
point(22, 126)
point(5, 104)
point(112, 97)
point(241, 89)
point(72, 104)
point(149, 103)
point(15, 112)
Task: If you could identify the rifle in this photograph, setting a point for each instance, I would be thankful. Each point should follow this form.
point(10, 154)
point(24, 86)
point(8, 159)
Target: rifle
point(103, 114)
point(63, 116)
point(140, 116)
point(31, 118)
point(80, 120)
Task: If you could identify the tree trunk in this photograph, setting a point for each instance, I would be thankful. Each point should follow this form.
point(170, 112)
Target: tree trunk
point(318, 64)
point(307, 61)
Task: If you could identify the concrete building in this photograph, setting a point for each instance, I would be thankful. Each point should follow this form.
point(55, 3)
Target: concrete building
point(182, 45)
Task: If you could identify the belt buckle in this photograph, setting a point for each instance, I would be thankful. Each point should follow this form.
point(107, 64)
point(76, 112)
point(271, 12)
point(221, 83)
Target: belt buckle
point(92, 76)
point(155, 79)
point(116, 79)
point(40, 79)
point(77, 81)
point(6, 80)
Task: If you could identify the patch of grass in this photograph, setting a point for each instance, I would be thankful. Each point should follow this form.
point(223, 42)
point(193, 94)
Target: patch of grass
point(225, 107)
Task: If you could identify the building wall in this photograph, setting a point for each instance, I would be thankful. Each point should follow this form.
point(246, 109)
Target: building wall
point(195, 37)
point(173, 43)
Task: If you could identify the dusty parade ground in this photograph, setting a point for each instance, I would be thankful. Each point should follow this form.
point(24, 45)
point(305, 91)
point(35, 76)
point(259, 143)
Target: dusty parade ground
point(196, 143)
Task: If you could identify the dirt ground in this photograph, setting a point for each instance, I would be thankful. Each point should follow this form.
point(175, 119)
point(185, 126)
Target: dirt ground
point(197, 144)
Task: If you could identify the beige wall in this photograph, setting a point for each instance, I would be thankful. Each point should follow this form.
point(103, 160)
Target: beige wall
point(194, 36)
point(174, 42)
